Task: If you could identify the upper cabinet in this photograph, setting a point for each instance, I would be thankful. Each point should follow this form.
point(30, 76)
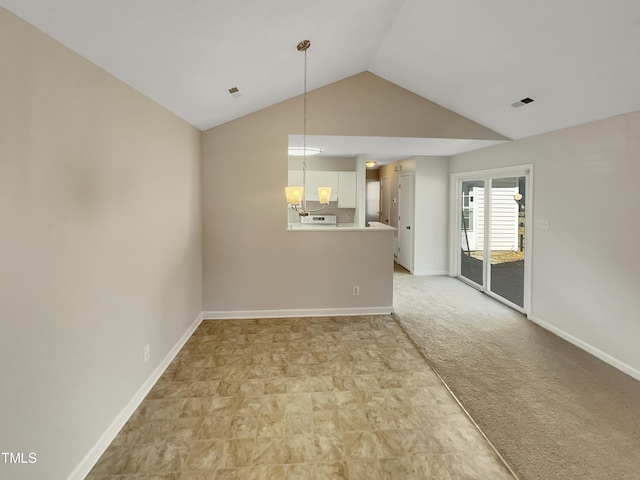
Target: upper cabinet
point(347, 188)
point(317, 179)
point(295, 178)
point(343, 185)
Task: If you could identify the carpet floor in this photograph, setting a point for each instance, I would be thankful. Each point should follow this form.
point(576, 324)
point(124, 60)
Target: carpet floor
point(553, 411)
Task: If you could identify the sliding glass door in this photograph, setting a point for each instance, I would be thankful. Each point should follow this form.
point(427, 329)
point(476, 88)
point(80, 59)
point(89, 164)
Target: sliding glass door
point(491, 239)
point(472, 231)
point(506, 248)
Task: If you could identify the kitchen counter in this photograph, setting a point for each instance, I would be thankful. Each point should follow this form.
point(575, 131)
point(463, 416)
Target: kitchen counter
point(342, 227)
point(381, 225)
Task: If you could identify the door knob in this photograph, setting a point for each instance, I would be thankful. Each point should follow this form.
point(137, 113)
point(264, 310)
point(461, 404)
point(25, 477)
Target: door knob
point(408, 228)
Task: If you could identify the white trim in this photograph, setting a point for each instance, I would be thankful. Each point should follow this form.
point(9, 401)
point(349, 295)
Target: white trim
point(605, 357)
point(528, 240)
point(91, 458)
point(455, 205)
point(287, 313)
point(501, 172)
point(487, 236)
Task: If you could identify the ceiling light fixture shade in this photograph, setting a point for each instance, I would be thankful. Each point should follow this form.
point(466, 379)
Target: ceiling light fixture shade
point(295, 195)
point(370, 163)
point(302, 151)
point(324, 195)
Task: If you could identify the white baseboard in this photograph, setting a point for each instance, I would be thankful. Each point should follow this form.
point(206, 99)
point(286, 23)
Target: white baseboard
point(90, 459)
point(287, 313)
point(605, 357)
point(424, 273)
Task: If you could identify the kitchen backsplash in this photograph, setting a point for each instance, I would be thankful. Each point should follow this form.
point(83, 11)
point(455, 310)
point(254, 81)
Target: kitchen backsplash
point(344, 215)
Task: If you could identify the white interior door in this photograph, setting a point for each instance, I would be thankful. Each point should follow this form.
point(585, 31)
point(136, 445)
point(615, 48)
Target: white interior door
point(406, 201)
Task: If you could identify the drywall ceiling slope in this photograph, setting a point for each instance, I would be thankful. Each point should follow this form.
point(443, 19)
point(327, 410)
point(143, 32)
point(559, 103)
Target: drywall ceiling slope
point(385, 122)
point(578, 59)
point(185, 55)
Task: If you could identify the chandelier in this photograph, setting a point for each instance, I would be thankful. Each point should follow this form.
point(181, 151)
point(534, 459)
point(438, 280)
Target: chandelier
point(296, 195)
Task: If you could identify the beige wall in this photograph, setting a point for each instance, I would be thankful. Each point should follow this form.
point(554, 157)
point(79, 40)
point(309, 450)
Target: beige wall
point(100, 237)
point(250, 261)
point(586, 265)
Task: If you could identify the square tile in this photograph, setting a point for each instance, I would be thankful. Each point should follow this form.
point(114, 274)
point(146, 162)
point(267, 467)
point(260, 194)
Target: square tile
point(397, 468)
point(299, 449)
point(275, 386)
point(360, 445)
point(353, 420)
point(322, 383)
point(366, 470)
point(326, 421)
point(240, 452)
point(301, 471)
point(299, 402)
point(243, 426)
point(332, 471)
point(215, 428)
point(207, 455)
point(271, 425)
point(298, 423)
point(431, 466)
point(269, 451)
point(329, 447)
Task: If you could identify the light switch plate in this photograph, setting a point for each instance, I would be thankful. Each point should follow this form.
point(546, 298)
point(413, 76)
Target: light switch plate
point(542, 224)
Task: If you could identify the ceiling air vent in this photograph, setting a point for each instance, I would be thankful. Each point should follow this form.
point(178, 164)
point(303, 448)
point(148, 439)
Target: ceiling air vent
point(522, 102)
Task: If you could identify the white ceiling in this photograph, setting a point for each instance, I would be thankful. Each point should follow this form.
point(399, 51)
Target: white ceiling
point(579, 59)
point(389, 149)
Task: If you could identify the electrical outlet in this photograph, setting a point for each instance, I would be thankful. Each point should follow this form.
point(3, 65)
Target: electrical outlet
point(356, 290)
point(146, 353)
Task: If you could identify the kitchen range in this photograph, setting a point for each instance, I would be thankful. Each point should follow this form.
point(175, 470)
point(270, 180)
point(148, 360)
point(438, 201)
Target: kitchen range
point(322, 222)
point(319, 222)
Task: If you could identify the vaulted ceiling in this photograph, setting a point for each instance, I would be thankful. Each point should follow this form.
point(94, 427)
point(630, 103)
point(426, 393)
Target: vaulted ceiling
point(578, 59)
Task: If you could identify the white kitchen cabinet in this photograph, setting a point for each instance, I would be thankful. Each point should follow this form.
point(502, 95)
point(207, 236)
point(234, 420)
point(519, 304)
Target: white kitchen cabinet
point(343, 185)
point(347, 188)
point(295, 178)
point(317, 179)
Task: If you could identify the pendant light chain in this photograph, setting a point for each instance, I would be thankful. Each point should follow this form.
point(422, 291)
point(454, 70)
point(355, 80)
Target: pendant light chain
point(304, 132)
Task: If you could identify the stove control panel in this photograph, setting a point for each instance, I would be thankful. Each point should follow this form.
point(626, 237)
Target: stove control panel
point(312, 219)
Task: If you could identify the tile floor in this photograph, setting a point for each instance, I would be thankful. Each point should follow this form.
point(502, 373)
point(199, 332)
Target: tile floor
point(302, 398)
